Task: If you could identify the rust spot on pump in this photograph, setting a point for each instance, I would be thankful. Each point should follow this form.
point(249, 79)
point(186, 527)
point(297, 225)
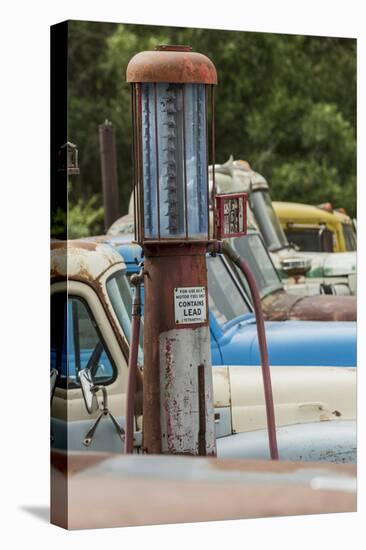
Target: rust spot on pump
point(174, 64)
point(170, 363)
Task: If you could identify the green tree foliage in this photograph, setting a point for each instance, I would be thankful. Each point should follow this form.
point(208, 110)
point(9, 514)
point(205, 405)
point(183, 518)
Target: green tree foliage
point(284, 103)
point(82, 218)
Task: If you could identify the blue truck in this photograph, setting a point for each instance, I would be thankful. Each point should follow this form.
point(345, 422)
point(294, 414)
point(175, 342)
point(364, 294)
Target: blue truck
point(233, 326)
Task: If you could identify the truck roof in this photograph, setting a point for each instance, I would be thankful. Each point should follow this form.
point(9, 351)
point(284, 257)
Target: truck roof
point(300, 212)
point(342, 217)
point(82, 260)
point(237, 176)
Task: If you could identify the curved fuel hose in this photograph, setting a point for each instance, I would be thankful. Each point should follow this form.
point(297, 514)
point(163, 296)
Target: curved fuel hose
point(225, 248)
point(133, 371)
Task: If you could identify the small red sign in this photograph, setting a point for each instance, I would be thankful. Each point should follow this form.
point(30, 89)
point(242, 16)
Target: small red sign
point(231, 215)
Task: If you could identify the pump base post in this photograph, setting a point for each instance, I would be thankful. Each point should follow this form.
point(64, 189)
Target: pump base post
point(178, 400)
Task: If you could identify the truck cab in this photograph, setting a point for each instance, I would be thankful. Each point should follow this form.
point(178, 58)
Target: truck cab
point(90, 330)
point(316, 228)
point(88, 306)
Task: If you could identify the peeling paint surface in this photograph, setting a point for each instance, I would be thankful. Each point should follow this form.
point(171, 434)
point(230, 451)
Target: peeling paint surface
point(334, 441)
point(82, 259)
point(181, 351)
point(301, 395)
point(280, 306)
point(221, 382)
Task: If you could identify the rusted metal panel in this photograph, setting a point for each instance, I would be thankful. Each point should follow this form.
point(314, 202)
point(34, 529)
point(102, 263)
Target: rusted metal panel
point(174, 66)
point(197, 489)
point(281, 306)
point(173, 352)
point(277, 305)
point(182, 352)
point(325, 308)
point(82, 260)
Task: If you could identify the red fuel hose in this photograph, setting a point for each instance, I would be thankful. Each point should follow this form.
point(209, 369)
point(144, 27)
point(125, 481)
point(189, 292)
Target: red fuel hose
point(132, 364)
point(225, 248)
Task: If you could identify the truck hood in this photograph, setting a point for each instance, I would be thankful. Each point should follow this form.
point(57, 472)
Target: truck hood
point(281, 306)
point(301, 343)
point(331, 264)
point(334, 441)
point(323, 264)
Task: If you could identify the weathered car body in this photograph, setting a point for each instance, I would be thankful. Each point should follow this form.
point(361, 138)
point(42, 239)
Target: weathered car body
point(233, 327)
point(90, 300)
point(282, 306)
point(192, 489)
point(314, 228)
point(321, 442)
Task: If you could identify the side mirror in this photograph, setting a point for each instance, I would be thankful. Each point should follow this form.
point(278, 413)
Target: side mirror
point(88, 389)
point(294, 246)
point(296, 267)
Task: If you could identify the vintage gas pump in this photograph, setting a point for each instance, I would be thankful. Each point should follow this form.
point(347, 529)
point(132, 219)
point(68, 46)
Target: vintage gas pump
point(172, 93)
point(171, 89)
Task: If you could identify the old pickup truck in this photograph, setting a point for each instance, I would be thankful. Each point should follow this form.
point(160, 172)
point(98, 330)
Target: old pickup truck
point(90, 330)
point(233, 327)
point(316, 228)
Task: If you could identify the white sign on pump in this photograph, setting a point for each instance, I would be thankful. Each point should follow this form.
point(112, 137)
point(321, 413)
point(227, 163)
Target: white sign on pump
point(190, 305)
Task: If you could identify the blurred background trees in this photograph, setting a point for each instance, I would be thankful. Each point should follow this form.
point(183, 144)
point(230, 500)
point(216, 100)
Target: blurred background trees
point(285, 103)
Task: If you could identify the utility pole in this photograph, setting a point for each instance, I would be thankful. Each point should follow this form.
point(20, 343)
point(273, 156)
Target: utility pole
point(172, 90)
point(108, 159)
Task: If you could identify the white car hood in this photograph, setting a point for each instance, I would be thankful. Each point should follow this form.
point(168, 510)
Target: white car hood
point(323, 264)
point(334, 264)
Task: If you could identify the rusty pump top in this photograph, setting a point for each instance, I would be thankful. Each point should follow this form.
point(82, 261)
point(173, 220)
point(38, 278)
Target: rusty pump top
point(175, 64)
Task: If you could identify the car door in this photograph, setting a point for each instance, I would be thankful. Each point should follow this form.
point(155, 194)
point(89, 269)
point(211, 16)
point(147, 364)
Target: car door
point(81, 335)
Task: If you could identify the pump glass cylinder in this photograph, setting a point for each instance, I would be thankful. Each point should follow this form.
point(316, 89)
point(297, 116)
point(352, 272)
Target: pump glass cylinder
point(174, 161)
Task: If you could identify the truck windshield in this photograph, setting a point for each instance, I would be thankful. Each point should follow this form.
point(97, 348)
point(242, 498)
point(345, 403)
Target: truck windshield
point(252, 249)
point(226, 302)
point(267, 221)
point(311, 239)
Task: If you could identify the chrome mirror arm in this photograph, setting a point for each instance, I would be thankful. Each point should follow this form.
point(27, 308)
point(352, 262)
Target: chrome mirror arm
point(104, 412)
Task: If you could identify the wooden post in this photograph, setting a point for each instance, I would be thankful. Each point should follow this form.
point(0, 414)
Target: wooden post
point(108, 158)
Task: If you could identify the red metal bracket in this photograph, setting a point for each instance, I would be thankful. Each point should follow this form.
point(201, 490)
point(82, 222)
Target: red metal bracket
point(231, 215)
